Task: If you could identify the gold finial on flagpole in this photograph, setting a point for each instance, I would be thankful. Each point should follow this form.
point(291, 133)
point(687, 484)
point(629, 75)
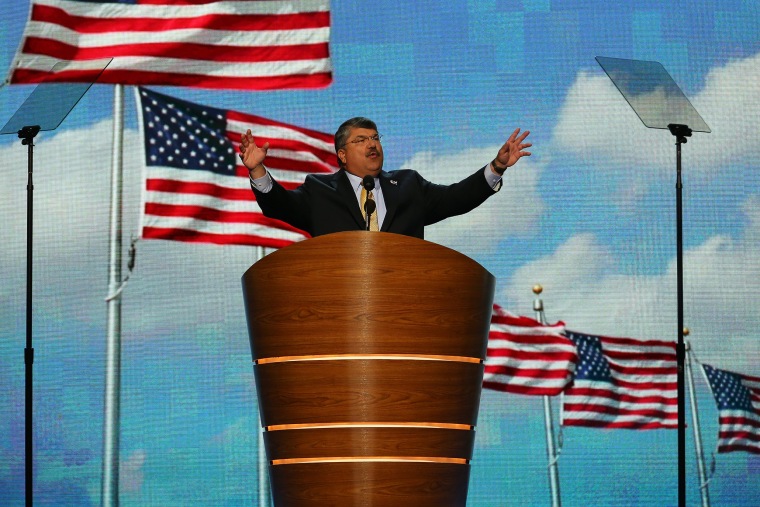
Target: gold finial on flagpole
point(538, 303)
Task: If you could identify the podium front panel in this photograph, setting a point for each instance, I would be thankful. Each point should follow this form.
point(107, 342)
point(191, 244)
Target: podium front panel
point(368, 353)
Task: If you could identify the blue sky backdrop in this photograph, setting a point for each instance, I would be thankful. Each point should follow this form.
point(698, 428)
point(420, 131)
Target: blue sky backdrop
point(590, 216)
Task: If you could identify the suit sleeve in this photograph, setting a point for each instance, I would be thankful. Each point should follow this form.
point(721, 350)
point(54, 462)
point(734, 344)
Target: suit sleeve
point(290, 206)
point(444, 201)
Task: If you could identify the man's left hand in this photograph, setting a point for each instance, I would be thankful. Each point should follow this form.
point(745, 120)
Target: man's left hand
point(512, 151)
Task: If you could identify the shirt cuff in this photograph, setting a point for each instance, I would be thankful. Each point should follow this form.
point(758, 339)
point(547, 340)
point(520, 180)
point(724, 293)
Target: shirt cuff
point(492, 179)
point(263, 184)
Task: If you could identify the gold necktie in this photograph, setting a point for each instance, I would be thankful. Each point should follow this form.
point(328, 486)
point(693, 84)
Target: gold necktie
point(373, 218)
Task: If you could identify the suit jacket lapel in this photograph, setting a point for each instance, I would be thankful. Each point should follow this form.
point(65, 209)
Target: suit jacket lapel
point(347, 196)
point(390, 196)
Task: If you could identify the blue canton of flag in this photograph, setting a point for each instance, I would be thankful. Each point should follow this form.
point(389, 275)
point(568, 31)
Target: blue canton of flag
point(622, 383)
point(738, 400)
point(187, 136)
point(593, 365)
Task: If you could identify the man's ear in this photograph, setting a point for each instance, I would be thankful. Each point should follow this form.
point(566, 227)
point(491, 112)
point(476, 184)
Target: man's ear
point(342, 155)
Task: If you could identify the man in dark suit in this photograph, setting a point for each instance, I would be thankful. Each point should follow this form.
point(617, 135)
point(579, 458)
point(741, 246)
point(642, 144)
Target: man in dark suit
point(404, 201)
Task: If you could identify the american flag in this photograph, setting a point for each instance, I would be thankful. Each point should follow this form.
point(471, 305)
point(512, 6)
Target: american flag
point(738, 399)
point(527, 357)
point(196, 188)
point(234, 44)
point(622, 383)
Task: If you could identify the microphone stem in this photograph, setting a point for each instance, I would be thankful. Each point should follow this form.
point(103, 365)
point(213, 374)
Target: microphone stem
point(368, 182)
point(369, 208)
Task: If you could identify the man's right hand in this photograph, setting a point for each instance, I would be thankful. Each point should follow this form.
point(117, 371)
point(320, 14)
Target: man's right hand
point(252, 155)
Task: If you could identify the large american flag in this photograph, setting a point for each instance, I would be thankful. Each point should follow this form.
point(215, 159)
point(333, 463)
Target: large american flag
point(234, 44)
point(196, 188)
point(738, 399)
point(527, 357)
point(622, 383)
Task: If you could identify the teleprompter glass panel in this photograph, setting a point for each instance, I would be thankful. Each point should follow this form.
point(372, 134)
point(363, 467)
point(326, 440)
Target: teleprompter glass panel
point(51, 101)
point(652, 93)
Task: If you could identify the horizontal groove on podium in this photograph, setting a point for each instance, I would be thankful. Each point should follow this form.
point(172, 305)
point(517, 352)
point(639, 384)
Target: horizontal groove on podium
point(280, 427)
point(357, 444)
point(348, 357)
point(371, 459)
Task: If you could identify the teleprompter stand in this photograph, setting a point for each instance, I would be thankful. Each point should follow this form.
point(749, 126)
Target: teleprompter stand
point(659, 103)
point(45, 108)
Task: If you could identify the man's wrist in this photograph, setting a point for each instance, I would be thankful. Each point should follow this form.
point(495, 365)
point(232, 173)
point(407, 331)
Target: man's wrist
point(263, 183)
point(498, 170)
point(257, 172)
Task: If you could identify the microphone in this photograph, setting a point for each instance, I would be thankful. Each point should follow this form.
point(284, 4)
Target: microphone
point(368, 182)
point(369, 207)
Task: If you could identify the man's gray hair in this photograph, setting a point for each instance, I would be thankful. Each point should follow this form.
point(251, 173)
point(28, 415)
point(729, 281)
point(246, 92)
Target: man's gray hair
point(341, 136)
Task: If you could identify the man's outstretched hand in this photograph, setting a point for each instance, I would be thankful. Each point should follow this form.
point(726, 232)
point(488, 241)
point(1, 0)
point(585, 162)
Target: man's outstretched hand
point(252, 155)
point(512, 151)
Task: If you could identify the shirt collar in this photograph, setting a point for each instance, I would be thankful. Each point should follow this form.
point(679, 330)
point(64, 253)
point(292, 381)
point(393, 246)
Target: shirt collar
point(356, 182)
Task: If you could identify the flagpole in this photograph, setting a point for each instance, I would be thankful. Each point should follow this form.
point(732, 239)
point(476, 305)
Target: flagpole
point(703, 489)
point(551, 452)
point(109, 496)
point(265, 492)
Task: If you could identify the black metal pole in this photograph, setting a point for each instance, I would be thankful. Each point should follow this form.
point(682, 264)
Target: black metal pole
point(680, 351)
point(27, 135)
point(681, 132)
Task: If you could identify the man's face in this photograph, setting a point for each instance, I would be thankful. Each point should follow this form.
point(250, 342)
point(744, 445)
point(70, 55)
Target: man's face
point(362, 155)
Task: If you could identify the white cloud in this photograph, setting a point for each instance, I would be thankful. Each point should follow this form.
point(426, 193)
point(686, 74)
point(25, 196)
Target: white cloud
point(597, 125)
point(71, 179)
point(721, 281)
point(751, 209)
point(131, 474)
point(516, 209)
point(70, 219)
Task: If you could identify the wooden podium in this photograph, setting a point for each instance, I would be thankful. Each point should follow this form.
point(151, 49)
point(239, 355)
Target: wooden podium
point(368, 352)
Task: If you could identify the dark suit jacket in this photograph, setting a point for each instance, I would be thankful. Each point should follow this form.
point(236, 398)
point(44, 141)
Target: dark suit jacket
point(326, 203)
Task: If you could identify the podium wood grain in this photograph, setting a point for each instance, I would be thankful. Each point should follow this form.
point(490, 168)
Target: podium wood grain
point(372, 484)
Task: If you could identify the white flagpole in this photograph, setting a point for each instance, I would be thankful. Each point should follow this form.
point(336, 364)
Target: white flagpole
point(551, 451)
point(109, 496)
point(703, 489)
point(265, 493)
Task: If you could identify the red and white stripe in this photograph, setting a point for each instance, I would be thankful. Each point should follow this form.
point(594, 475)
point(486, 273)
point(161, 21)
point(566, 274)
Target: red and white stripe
point(739, 431)
point(293, 151)
point(243, 44)
point(527, 357)
point(182, 205)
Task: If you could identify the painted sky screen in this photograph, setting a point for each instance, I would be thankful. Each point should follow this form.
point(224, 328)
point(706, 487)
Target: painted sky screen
point(590, 216)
